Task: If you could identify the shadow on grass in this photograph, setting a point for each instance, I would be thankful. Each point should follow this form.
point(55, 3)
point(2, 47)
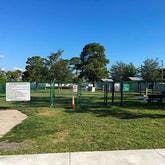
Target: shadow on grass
point(5, 108)
point(94, 104)
point(119, 113)
point(62, 102)
point(93, 101)
point(40, 101)
point(132, 109)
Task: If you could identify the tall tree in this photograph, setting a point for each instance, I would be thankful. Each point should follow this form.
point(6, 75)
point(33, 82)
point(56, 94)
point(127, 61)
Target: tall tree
point(59, 70)
point(93, 63)
point(150, 70)
point(121, 71)
point(36, 69)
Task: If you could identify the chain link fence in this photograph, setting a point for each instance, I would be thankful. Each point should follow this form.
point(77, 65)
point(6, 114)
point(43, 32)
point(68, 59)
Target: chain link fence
point(84, 95)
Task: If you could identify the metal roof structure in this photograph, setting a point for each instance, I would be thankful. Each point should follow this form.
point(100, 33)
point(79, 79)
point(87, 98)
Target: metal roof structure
point(107, 80)
point(136, 78)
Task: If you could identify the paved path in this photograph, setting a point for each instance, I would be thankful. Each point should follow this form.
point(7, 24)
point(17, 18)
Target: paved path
point(129, 157)
point(9, 119)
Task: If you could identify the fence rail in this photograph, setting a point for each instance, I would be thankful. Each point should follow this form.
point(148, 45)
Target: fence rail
point(60, 94)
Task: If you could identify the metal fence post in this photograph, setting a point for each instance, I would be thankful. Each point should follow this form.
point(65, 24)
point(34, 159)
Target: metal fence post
point(52, 94)
point(121, 93)
point(106, 93)
point(78, 93)
point(113, 92)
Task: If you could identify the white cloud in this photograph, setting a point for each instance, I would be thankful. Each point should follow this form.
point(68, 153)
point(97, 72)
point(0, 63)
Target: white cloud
point(17, 68)
point(3, 69)
point(1, 56)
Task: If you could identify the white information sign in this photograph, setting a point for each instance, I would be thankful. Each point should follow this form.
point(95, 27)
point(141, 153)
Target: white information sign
point(75, 88)
point(18, 91)
point(93, 89)
point(117, 87)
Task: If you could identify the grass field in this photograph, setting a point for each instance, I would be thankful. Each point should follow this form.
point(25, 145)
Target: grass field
point(93, 126)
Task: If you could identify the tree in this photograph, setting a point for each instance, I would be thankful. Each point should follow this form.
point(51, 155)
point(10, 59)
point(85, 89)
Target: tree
point(59, 70)
point(93, 63)
point(150, 70)
point(2, 76)
point(36, 69)
point(2, 81)
point(74, 66)
point(14, 75)
point(121, 71)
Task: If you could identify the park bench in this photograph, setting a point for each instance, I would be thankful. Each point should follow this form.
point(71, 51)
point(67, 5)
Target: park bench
point(156, 97)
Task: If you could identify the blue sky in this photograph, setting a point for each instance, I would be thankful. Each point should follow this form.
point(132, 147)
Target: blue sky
point(130, 30)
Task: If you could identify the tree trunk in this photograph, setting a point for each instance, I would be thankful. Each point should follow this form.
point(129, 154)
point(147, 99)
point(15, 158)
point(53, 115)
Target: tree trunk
point(94, 86)
point(58, 87)
point(94, 83)
point(36, 85)
point(61, 88)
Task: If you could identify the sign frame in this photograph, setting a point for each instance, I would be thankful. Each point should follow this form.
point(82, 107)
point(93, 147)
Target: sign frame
point(18, 91)
point(75, 88)
point(126, 87)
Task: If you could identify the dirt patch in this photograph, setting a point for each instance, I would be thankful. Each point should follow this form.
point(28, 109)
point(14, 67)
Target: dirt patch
point(60, 137)
point(47, 113)
point(6, 146)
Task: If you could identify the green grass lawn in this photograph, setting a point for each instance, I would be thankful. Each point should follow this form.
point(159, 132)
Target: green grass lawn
point(91, 127)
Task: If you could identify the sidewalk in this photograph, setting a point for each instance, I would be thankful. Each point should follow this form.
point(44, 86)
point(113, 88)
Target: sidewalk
point(128, 157)
point(9, 119)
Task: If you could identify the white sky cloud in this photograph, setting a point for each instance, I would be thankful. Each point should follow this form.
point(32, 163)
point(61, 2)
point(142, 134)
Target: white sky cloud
point(3, 69)
point(2, 56)
point(17, 68)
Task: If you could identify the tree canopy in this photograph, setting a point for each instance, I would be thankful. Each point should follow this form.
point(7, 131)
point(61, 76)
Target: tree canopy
point(2, 76)
point(121, 71)
point(53, 68)
point(150, 70)
point(90, 66)
point(93, 63)
point(58, 68)
point(36, 69)
point(74, 64)
point(14, 75)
